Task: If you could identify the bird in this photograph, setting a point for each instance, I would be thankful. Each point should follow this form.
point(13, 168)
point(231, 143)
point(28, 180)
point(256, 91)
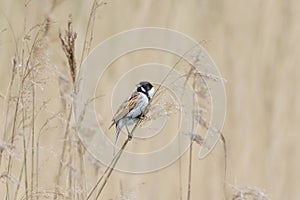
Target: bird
point(132, 109)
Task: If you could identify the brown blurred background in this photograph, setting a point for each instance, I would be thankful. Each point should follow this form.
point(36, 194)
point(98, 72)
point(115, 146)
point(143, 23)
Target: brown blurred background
point(256, 47)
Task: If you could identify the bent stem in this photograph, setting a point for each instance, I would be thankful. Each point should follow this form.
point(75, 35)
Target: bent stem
point(108, 171)
point(112, 167)
point(190, 172)
point(225, 163)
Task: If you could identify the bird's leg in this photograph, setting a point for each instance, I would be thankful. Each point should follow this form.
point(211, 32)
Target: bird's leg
point(129, 133)
point(142, 116)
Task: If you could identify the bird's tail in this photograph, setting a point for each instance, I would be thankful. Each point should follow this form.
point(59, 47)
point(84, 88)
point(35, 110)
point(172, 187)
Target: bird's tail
point(116, 140)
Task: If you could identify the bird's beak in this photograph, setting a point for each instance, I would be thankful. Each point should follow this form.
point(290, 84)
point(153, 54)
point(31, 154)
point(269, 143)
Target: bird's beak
point(138, 85)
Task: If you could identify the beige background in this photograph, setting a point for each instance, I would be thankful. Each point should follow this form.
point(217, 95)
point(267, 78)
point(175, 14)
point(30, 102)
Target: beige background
point(256, 47)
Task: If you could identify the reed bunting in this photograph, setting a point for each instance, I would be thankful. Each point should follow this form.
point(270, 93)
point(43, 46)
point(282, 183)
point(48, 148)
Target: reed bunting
point(132, 109)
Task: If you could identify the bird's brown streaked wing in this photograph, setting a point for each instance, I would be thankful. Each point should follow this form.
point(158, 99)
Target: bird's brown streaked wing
point(126, 107)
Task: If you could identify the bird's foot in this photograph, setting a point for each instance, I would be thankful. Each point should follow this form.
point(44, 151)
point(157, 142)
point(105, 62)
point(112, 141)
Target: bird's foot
point(129, 137)
point(142, 117)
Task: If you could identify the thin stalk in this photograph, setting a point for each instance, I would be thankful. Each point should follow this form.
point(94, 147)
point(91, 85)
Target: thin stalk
point(190, 172)
point(82, 170)
point(88, 30)
point(180, 173)
point(108, 170)
point(13, 34)
point(24, 116)
point(38, 149)
point(20, 178)
point(14, 127)
point(64, 149)
point(25, 166)
point(70, 166)
point(12, 139)
point(75, 164)
point(112, 167)
point(37, 168)
point(8, 96)
point(32, 134)
point(225, 165)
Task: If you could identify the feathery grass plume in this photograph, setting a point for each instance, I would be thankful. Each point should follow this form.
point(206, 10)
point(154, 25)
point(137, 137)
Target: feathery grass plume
point(197, 138)
point(75, 149)
point(68, 45)
point(248, 193)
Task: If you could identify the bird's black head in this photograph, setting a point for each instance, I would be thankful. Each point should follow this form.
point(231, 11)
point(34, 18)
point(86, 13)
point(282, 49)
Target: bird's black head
point(146, 88)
